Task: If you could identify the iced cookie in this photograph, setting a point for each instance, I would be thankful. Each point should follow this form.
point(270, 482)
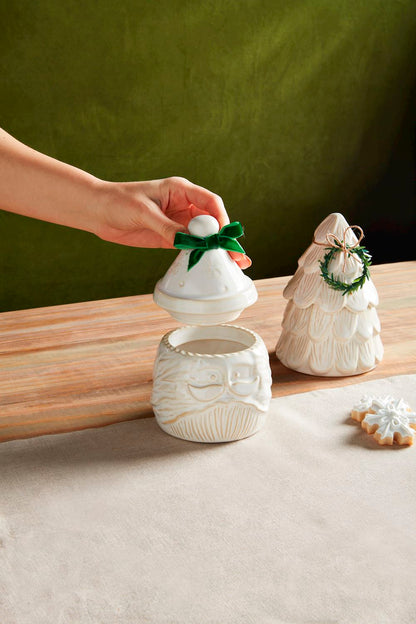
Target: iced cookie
point(365, 406)
point(391, 422)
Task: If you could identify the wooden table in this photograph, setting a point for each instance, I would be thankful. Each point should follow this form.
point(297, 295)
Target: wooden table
point(84, 365)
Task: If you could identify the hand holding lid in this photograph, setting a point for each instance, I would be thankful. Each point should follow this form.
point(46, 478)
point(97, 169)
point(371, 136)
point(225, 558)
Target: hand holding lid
point(204, 285)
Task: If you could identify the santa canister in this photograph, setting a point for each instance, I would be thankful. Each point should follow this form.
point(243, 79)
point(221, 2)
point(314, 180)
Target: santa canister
point(211, 381)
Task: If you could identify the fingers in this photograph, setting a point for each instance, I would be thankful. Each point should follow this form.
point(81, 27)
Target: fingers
point(198, 200)
point(204, 200)
point(201, 201)
point(153, 218)
point(195, 211)
point(209, 202)
point(242, 260)
point(184, 215)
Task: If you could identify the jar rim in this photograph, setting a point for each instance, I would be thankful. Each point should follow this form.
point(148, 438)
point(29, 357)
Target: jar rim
point(207, 332)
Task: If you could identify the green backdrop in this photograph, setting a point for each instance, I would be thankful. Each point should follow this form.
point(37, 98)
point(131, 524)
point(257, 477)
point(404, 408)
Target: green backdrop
point(288, 109)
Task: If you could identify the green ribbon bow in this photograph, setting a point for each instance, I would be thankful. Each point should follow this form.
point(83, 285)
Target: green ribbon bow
point(225, 239)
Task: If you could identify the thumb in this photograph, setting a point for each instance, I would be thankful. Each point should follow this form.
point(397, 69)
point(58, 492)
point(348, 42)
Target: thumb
point(154, 219)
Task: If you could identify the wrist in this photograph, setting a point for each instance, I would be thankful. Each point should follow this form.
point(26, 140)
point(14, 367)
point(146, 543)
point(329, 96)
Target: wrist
point(105, 196)
point(113, 201)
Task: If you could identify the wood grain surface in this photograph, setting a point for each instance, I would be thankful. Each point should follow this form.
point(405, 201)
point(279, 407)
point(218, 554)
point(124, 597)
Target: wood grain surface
point(90, 364)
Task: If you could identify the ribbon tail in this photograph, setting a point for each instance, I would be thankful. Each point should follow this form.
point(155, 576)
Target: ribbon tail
point(194, 257)
point(230, 244)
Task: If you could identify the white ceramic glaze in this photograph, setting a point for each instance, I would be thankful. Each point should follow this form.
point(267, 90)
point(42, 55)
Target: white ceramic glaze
point(324, 332)
point(215, 290)
point(220, 394)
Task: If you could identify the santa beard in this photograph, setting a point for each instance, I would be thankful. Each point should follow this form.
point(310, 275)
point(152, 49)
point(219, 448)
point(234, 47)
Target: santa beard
point(222, 422)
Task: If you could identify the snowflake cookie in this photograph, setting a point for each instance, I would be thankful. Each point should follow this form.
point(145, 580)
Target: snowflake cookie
point(365, 406)
point(390, 420)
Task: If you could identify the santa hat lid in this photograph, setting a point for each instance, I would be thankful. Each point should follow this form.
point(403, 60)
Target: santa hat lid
point(214, 290)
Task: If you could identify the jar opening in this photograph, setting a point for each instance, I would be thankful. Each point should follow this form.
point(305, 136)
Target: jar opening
point(211, 339)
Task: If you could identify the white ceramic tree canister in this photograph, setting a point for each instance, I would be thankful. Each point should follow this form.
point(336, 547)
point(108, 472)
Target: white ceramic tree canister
point(211, 381)
point(325, 331)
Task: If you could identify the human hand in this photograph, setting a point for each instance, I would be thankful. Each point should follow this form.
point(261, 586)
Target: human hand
point(140, 214)
point(148, 214)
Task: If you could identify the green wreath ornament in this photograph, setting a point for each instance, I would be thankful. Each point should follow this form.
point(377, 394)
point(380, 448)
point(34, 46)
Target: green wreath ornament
point(335, 246)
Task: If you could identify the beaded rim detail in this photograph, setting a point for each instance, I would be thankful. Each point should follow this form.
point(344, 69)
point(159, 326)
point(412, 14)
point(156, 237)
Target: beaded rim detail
point(170, 347)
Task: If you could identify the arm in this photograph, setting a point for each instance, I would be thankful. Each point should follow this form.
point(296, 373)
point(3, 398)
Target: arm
point(140, 214)
point(41, 187)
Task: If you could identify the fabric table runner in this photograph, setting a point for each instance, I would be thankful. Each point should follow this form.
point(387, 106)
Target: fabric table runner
point(309, 521)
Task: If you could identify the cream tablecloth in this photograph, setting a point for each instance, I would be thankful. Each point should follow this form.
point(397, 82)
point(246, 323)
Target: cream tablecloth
point(309, 521)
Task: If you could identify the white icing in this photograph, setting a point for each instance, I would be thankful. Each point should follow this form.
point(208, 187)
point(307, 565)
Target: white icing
point(369, 401)
point(391, 416)
point(364, 403)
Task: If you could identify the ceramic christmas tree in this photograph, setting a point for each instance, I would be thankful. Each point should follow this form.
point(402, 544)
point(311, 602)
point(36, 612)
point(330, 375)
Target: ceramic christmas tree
point(330, 325)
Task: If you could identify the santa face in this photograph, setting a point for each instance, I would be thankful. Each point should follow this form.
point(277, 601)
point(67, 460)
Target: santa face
point(192, 385)
point(224, 379)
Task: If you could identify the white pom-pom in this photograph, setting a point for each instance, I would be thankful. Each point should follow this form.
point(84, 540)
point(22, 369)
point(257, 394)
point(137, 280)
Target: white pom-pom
point(204, 225)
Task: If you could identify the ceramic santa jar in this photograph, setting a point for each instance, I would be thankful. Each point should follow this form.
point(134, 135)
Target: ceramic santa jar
point(211, 381)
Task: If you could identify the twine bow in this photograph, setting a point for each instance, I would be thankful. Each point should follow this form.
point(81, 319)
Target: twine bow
point(333, 241)
point(224, 239)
